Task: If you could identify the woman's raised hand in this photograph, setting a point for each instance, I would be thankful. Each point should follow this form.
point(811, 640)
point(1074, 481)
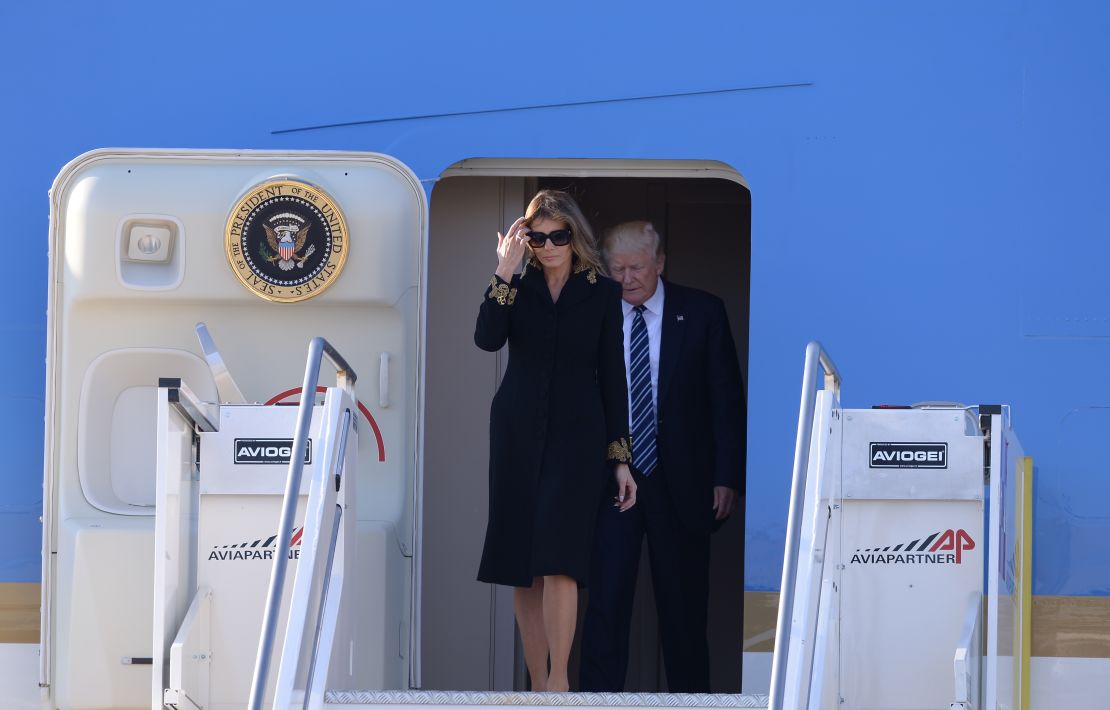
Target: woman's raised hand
point(510, 249)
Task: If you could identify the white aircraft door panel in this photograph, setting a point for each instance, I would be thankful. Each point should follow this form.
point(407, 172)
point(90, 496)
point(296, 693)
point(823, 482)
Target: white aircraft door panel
point(269, 250)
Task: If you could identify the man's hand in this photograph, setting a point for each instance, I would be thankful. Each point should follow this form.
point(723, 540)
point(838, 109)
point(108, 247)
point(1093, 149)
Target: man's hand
point(724, 501)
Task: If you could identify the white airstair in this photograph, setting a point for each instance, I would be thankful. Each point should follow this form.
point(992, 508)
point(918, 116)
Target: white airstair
point(906, 574)
point(222, 499)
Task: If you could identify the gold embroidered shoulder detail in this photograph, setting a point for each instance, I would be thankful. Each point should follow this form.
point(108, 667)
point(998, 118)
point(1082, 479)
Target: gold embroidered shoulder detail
point(501, 292)
point(619, 451)
point(531, 263)
point(591, 272)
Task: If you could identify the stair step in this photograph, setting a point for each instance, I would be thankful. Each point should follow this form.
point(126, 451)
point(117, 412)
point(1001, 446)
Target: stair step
point(378, 698)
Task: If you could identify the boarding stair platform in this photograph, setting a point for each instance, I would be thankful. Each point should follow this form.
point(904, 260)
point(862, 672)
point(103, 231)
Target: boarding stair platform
point(367, 699)
point(907, 568)
point(903, 585)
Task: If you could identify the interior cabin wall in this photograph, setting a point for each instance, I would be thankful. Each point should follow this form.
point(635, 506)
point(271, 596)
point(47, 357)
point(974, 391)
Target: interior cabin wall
point(469, 639)
point(468, 631)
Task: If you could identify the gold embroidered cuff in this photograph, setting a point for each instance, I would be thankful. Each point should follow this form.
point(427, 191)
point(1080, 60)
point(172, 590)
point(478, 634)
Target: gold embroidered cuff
point(501, 292)
point(620, 452)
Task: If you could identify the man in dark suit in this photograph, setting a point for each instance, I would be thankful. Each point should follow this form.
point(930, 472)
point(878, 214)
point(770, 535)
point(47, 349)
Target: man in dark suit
point(686, 417)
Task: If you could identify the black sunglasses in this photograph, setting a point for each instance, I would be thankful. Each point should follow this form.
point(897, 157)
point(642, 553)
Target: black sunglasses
point(560, 238)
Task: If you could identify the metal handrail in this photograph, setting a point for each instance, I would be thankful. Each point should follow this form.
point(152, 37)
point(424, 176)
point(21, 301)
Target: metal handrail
point(345, 378)
point(323, 491)
point(815, 357)
point(336, 473)
point(317, 632)
point(226, 388)
point(205, 416)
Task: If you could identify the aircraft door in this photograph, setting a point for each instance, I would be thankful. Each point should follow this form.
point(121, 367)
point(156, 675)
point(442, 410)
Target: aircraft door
point(269, 250)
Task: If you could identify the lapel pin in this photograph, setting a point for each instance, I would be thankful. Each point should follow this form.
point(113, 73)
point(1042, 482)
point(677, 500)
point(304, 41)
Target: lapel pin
point(678, 317)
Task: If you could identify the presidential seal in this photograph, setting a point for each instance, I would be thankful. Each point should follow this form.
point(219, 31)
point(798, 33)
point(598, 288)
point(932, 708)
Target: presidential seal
point(286, 240)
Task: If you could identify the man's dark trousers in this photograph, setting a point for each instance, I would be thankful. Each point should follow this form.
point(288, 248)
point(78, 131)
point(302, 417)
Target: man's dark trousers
point(679, 559)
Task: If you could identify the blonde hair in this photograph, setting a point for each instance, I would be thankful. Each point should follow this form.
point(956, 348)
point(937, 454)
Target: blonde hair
point(559, 206)
point(637, 233)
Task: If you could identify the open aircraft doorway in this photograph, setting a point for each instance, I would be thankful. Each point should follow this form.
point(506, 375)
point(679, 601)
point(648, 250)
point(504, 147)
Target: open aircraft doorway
point(703, 211)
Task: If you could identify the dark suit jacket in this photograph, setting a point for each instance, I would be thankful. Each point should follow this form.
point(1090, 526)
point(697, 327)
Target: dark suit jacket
point(701, 432)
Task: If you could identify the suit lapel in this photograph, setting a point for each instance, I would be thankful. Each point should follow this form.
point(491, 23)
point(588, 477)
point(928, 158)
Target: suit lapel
point(674, 324)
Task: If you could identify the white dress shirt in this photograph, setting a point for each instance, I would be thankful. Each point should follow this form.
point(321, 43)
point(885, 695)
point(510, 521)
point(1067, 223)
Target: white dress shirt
point(653, 319)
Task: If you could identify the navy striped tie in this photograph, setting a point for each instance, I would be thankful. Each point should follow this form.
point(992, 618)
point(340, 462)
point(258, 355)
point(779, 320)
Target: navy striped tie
point(642, 412)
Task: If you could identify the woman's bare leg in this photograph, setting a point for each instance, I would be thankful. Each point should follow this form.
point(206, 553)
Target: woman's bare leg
point(528, 603)
point(560, 613)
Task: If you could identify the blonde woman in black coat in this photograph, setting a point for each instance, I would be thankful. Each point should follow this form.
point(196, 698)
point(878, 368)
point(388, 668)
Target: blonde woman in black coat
point(558, 424)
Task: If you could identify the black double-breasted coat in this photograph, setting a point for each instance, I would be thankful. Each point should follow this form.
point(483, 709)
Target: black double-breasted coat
point(558, 423)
